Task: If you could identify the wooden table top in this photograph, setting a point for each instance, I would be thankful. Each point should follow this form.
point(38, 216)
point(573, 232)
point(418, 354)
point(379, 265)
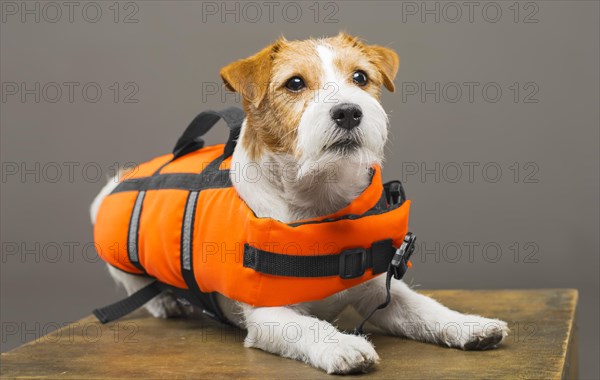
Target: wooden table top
point(542, 345)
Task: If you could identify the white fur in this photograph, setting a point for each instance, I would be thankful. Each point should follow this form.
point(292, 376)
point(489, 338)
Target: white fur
point(107, 189)
point(313, 184)
point(317, 129)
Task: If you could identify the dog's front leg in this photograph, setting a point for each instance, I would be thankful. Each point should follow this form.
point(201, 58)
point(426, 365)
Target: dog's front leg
point(287, 332)
point(419, 317)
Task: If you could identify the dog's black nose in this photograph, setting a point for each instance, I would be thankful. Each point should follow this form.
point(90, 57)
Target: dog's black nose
point(346, 115)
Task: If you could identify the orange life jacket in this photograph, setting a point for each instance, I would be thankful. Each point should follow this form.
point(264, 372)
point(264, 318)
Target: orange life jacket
point(178, 219)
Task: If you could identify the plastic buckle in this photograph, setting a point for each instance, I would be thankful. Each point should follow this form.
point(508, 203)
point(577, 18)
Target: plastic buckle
point(357, 265)
point(399, 264)
point(394, 193)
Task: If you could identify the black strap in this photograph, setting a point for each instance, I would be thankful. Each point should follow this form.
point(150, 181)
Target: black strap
point(207, 302)
point(349, 263)
point(125, 306)
point(191, 139)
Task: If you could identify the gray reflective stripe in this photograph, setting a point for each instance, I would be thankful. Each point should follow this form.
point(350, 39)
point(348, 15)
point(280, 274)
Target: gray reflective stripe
point(134, 223)
point(187, 230)
point(211, 179)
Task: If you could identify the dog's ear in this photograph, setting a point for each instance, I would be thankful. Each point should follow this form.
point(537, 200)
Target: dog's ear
point(251, 76)
point(387, 62)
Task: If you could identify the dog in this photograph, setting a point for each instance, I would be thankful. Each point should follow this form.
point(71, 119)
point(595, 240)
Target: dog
point(314, 127)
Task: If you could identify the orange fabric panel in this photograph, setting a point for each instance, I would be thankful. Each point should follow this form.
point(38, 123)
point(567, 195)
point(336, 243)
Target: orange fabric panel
point(218, 263)
point(160, 238)
point(218, 245)
point(320, 239)
point(111, 229)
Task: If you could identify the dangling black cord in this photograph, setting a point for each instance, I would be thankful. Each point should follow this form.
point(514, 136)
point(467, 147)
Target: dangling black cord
point(388, 281)
point(397, 268)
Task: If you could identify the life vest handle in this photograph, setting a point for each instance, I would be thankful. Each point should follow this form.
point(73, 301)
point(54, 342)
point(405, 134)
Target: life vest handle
point(191, 139)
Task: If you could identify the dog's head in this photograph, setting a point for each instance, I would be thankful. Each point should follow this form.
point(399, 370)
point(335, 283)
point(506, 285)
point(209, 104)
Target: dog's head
point(315, 101)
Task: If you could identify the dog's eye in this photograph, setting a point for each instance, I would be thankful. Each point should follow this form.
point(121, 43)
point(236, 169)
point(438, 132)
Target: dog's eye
point(295, 84)
point(360, 78)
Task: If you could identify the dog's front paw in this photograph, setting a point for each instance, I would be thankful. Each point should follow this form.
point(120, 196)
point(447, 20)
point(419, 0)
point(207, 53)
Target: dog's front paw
point(346, 354)
point(477, 333)
point(489, 335)
point(165, 305)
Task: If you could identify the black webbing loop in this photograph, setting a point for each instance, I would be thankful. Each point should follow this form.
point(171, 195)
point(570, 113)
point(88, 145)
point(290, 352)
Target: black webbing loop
point(125, 306)
point(394, 192)
point(191, 139)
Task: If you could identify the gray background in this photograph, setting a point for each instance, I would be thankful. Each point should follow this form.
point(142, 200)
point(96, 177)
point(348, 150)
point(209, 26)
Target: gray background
point(173, 53)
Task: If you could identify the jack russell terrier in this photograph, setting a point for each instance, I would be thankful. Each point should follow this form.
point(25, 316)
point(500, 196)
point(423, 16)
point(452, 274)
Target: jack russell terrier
point(312, 108)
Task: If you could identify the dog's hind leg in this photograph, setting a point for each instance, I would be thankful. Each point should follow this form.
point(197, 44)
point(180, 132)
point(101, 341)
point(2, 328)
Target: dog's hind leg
point(415, 316)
